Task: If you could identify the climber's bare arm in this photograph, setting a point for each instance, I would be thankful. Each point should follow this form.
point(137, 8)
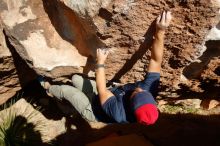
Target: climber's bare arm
point(162, 23)
point(104, 94)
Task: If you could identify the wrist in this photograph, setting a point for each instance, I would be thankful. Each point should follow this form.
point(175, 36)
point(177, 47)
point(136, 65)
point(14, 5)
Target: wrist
point(100, 66)
point(159, 34)
point(100, 62)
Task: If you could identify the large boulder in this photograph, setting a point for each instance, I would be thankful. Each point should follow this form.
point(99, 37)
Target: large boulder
point(9, 83)
point(59, 38)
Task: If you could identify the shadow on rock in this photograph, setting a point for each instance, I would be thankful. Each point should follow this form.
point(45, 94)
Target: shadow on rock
point(209, 89)
point(138, 54)
point(170, 130)
point(194, 70)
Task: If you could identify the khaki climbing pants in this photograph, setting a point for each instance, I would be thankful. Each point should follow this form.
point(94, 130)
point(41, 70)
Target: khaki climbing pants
point(80, 96)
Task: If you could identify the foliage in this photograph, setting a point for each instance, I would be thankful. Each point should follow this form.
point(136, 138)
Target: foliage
point(174, 109)
point(19, 130)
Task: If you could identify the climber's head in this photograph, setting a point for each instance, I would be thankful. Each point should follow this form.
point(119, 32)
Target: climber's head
point(144, 106)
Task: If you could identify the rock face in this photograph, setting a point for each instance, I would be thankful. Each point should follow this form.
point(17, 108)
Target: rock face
point(59, 38)
point(9, 83)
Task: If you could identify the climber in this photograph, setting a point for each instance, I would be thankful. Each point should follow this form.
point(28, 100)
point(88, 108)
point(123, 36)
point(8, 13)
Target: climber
point(132, 102)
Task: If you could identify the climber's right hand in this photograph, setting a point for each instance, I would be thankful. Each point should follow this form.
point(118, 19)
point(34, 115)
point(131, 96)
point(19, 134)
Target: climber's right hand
point(101, 55)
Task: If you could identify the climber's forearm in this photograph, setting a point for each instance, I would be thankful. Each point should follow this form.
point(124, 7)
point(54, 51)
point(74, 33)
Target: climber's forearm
point(157, 52)
point(104, 94)
point(101, 81)
point(162, 22)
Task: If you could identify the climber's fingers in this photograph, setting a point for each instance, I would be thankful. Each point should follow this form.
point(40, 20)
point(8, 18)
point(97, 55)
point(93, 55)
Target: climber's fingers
point(158, 19)
point(168, 18)
point(163, 18)
point(101, 55)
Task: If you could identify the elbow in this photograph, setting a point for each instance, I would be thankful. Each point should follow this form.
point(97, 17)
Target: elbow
point(102, 97)
point(156, 62)
point(105, 95)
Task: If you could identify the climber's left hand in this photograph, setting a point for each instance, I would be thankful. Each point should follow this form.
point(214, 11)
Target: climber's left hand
point(163, 21)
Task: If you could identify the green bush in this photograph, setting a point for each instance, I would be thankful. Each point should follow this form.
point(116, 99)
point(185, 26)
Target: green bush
point(16, 130)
